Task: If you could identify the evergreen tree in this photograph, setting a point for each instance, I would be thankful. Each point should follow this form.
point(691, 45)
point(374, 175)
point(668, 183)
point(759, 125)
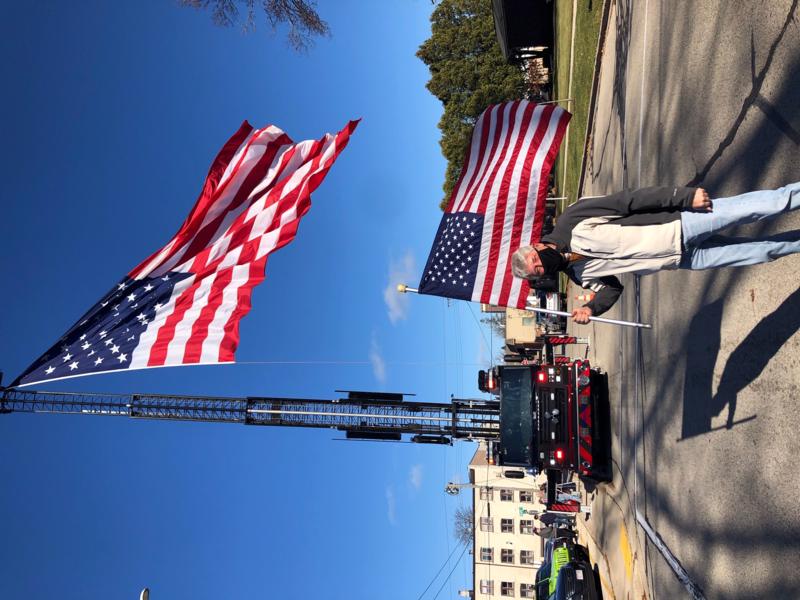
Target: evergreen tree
point(468, 73)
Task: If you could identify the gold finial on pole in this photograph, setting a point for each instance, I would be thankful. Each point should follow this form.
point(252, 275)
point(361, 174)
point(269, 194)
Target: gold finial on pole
point(403, 288)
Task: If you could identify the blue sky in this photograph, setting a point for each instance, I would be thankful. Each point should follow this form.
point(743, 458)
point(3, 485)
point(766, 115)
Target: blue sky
point(112, 113)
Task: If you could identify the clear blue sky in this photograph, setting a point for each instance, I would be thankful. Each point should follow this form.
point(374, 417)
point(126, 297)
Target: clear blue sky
point(111, 115)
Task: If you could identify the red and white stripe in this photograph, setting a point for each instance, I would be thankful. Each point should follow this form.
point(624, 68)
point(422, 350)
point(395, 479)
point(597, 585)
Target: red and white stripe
point(505, 175)
point(256, 192)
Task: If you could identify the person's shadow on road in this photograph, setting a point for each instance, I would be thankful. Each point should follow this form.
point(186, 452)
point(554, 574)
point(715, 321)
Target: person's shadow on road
point(744, 364)
point(703, 342)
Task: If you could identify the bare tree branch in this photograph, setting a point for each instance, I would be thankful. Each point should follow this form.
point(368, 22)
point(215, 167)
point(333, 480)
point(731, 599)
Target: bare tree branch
point(299, 15)
point(463, 524)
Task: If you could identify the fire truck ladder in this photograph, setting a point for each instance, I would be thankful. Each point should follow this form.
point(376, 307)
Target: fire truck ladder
point(361, 415)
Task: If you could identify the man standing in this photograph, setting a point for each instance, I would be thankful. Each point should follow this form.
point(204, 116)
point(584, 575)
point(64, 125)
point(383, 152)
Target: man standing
point(652, 229)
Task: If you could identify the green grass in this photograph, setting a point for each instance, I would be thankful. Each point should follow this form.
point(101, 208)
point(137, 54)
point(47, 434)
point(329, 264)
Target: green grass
point(587, 30)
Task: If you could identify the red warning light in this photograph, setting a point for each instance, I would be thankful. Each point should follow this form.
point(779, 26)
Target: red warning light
point(541, 376)
point(559, 454)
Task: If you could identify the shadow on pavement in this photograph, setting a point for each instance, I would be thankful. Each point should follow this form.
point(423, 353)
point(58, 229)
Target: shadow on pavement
point(701, 356)
point(754, 98)
point(748, 360)
point(743, 366)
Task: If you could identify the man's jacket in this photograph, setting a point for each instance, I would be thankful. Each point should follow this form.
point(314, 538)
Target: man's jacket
point(633, 231)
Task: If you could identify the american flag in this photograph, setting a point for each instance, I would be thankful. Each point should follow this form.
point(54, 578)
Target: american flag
point(497, 205)
point(183, 304)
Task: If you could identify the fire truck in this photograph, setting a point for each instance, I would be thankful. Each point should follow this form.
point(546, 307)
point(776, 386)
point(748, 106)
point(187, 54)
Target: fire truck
point(554, 418)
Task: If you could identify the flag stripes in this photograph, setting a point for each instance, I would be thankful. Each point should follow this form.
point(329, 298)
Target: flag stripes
point(504, 179)
point(253, 211)
point(183, 304)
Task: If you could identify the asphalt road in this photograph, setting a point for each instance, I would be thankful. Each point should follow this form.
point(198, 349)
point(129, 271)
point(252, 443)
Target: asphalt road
point(706, 406)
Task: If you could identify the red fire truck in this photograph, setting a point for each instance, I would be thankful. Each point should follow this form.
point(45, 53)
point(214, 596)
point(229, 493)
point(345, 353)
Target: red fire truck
point(554, 418)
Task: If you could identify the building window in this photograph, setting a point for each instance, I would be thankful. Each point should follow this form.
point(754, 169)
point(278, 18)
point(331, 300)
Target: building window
point(507, 525)
point(487, 586)
point(526, 526)
point(506, 588)
point(528, 321)
point(526, 557)
point(526, 496)
point(487, 524)
point(487, 554)
point(487, 493)
point(506, 495)
point(526, 590)
point(506, 556)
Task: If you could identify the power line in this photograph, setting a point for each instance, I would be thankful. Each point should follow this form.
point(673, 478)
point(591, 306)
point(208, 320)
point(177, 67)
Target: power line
point(451, 571)
point(444, 564)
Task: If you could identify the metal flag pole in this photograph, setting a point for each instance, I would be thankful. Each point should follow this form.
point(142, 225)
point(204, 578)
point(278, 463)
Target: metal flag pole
point(402, 288)
point(562, 313)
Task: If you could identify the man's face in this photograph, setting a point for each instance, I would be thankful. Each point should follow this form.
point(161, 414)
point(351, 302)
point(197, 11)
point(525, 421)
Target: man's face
point(533, 262)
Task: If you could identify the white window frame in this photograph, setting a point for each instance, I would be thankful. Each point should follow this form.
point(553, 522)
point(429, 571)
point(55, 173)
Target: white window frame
point(487, 524)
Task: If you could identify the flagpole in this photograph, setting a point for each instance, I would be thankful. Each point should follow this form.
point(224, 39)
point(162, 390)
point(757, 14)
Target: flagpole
point(402, 288)
point(562, 313)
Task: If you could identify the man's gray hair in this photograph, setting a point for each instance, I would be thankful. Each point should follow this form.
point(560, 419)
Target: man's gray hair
point(518, 265)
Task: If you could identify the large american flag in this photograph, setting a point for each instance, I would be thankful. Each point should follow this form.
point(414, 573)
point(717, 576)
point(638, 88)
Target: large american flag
point(497, 205)
point(183, 304)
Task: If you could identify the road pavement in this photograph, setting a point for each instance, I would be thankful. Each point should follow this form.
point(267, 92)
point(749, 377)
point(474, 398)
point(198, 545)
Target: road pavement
point(705, 406)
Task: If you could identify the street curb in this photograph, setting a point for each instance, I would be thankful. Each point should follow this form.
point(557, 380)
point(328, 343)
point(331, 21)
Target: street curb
point(601, 40)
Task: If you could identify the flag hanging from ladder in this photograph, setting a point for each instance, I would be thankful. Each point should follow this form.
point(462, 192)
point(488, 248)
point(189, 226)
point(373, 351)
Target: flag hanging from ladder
point(497, 205)
point(183, 304)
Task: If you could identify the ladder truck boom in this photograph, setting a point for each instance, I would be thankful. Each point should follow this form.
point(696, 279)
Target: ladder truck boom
point(361, 415)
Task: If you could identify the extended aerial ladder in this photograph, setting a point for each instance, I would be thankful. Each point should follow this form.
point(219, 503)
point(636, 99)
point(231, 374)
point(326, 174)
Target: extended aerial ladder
point(361, 415)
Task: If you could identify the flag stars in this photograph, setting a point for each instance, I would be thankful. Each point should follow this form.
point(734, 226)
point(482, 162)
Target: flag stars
point(85, 345)
point(103, 334)
point(109, 341)
point(98, 361)
point(49, 370)
point(67, 357)
point(114, 349)
point(122, 357)
point(148, 287)
point(131, 297)
point(73, 365)
point(121, 286)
